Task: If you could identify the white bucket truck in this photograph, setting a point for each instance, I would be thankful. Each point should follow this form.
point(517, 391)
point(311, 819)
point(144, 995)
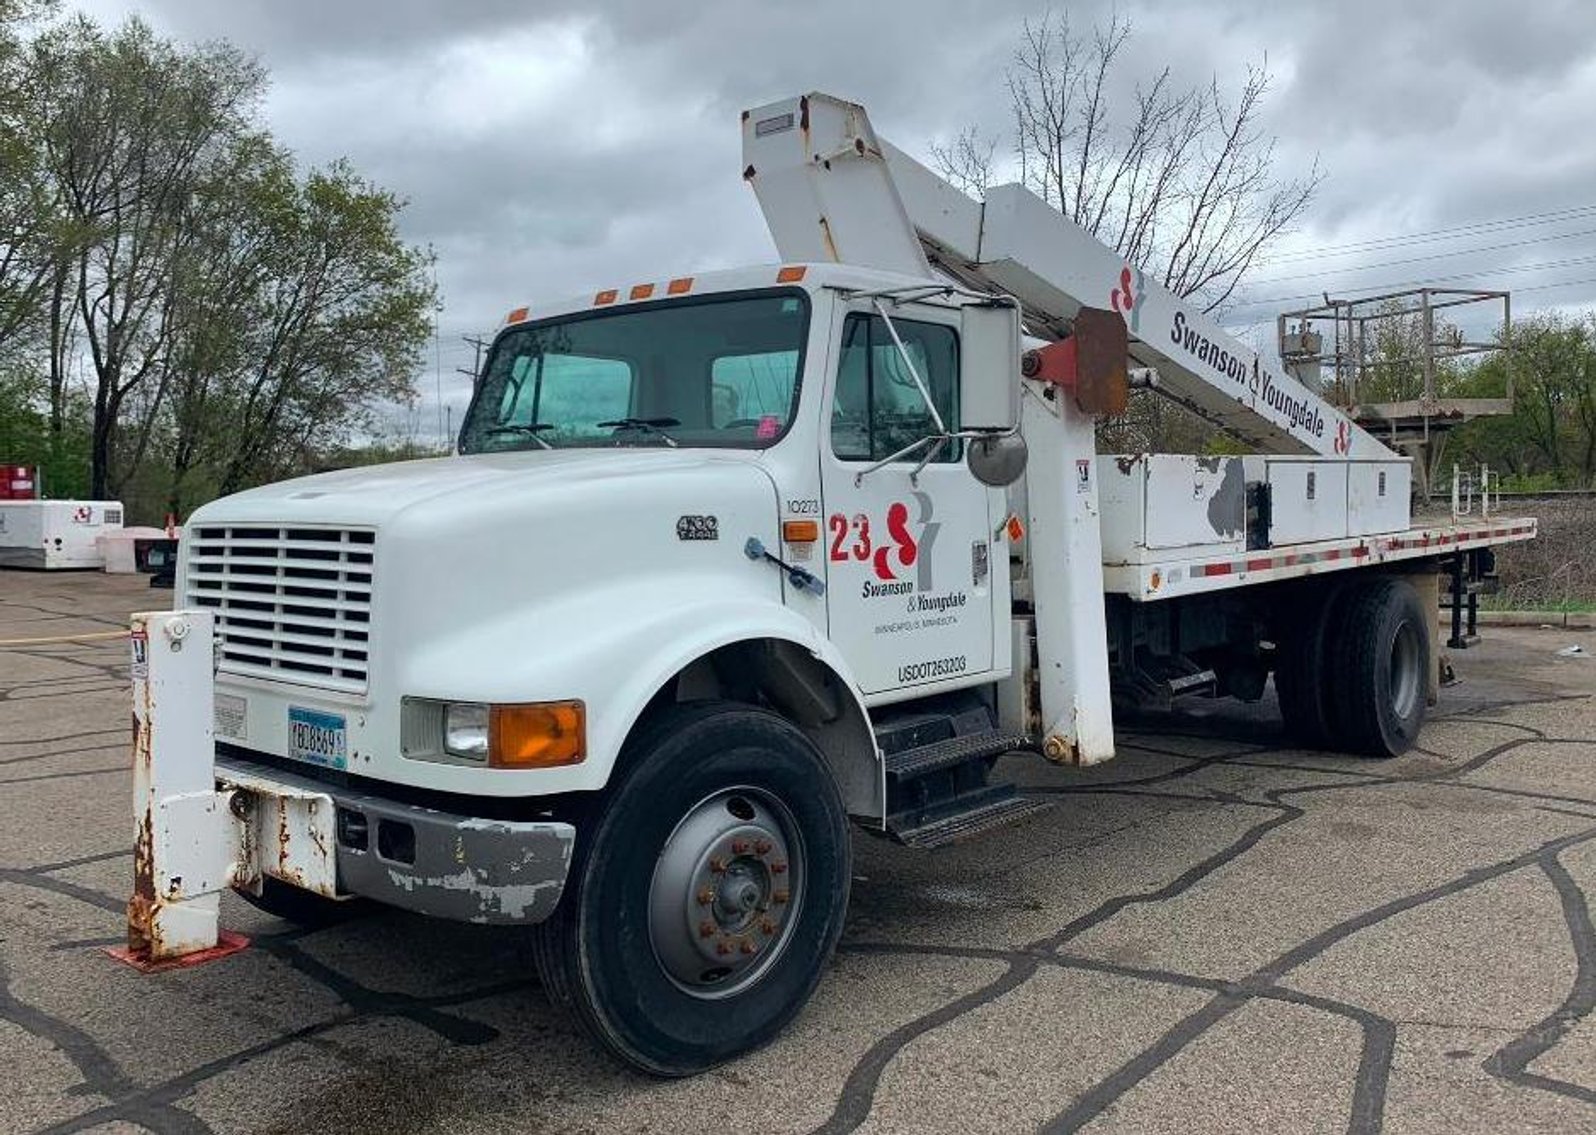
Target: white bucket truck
point(729, 562)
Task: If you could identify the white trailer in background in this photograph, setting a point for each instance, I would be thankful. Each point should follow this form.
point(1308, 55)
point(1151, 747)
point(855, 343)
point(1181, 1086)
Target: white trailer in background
point(729, 559)
point(56, 534)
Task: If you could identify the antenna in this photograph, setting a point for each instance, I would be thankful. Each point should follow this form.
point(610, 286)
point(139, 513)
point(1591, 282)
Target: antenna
point(437, 350)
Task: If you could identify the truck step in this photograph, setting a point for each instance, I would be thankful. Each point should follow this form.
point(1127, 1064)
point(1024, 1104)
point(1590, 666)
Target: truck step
point(939, 792)
point(944, 754)
point(966, 825)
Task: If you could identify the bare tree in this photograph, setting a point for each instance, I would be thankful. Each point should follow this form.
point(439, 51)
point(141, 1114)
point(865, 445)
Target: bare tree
point(1182, 183)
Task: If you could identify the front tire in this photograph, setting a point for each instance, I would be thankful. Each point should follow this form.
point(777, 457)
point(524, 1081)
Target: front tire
point(707, 896)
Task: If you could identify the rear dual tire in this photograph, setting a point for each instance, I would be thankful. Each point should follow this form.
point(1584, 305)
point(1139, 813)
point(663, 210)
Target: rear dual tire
point(1353, 669)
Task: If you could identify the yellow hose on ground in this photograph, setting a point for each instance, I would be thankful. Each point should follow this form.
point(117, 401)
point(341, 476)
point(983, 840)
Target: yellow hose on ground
point(58, 640)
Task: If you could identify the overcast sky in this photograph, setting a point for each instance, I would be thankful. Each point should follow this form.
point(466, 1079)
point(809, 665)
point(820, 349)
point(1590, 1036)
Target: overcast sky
point(550, 148)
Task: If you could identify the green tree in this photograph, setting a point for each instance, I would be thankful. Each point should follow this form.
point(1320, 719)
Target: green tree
point(132, 124)
point(1552, 430)
point(302, 311)
point(27, 222)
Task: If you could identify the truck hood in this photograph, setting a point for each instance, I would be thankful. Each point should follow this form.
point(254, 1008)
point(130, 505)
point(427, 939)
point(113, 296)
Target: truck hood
point(375, 494)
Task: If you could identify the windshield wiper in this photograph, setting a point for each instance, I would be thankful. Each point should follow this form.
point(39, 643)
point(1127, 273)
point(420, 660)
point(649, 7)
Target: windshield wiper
point(530, 431)
point(646, 425)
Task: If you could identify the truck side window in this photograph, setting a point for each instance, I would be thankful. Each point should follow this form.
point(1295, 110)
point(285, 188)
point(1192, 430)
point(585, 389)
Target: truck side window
point(878, 409)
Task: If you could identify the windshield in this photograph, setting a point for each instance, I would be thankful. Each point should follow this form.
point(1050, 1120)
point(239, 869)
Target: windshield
point(717, 371)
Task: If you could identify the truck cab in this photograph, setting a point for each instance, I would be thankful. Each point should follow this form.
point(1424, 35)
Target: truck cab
point(741, 501)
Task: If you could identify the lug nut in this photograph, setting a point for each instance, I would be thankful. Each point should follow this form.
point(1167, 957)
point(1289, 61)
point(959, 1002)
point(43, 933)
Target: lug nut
point(739, 847)
point(748, 946)
point(706, 895)
point(778, 868)
point(762, 847)
point(723, 948)
point(781, 896)
point(766, 926)
point(706, 929)
point(717, 865)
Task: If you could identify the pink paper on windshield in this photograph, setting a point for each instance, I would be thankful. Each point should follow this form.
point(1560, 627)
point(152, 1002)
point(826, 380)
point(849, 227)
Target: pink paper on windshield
point(769, 426)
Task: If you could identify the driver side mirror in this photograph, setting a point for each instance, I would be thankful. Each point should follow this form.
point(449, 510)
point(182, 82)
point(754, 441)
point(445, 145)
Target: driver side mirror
point(989, 392)
point(989, 367)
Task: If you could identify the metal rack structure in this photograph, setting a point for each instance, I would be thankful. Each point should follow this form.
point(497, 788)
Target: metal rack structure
point(1334, 348)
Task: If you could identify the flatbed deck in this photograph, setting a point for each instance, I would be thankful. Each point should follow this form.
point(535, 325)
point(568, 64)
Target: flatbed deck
point(1167, 573)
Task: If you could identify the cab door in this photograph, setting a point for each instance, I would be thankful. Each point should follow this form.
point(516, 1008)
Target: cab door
point(908, 554)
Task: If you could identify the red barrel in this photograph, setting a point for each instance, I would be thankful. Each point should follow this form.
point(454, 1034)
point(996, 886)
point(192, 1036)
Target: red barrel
point(18, 483)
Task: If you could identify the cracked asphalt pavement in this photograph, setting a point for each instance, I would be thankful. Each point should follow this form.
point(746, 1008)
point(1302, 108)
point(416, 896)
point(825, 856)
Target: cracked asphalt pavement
point(1214, 932)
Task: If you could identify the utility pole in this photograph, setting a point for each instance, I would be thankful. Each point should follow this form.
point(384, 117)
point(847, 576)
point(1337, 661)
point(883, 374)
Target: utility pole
point(476, 367)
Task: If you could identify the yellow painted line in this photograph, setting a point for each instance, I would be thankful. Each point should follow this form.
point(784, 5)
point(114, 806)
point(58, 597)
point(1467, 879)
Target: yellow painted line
point(56, 640)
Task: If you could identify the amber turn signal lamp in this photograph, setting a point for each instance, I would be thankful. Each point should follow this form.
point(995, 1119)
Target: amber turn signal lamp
point(800, 531)
point(538, 735)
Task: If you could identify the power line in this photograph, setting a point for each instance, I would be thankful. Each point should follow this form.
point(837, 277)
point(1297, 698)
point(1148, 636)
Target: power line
point(1243, 330)
point(1430, 236)
point(1432, 256)
point(1558, 284)
point(1376, 289)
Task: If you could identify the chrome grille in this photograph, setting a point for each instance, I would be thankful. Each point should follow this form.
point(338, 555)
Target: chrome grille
point(292, 604)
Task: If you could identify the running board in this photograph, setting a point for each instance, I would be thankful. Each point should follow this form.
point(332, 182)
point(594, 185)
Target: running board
point(966, 825)
point(939, 792)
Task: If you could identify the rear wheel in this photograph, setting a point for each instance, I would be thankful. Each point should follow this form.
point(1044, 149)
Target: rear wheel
point(1380, 664)
point(706, 899)
point(1301, 682)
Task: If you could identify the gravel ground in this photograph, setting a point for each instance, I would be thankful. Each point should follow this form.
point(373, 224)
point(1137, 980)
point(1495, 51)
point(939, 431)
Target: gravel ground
point(1214, 932)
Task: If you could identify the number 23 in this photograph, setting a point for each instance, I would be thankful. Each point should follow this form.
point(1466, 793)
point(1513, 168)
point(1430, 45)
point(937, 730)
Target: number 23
point(838, 523)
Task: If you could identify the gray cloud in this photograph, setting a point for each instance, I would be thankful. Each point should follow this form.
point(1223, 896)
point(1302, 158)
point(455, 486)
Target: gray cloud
point(554, 147)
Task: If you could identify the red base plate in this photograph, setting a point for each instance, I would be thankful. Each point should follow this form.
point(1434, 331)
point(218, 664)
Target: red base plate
point(226, 943)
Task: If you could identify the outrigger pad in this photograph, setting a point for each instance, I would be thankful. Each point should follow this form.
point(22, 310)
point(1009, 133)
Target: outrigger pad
point(227, 943)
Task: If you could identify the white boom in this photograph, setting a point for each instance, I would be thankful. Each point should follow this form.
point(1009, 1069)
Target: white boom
point(831, 190)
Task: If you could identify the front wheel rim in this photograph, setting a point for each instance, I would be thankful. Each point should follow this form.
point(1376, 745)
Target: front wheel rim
point(726, 892)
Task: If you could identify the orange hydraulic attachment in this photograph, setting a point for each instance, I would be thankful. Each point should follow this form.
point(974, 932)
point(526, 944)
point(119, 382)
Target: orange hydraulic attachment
point(1090, 362)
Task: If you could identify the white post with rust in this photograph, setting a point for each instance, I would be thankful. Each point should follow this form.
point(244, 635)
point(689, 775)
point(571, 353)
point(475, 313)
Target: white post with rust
point(1064, 551)
point(181, 852)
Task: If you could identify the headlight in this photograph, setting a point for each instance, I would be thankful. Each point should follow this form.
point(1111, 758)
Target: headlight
point(465, 730)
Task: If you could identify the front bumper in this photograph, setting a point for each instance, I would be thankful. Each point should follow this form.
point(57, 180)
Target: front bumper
point(436, 863)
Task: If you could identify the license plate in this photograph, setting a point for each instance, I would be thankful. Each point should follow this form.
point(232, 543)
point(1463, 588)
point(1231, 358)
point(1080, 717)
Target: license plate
point(317, 737)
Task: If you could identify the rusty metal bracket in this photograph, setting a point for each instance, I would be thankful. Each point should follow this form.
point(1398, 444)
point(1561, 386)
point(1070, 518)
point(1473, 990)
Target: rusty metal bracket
point(186, 845)
point(174, 901)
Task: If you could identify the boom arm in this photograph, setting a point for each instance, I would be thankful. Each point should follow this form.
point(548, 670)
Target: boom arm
point(832, 191)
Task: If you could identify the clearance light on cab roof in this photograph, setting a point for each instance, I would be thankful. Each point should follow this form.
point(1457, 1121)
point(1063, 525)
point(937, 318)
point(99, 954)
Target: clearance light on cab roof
point(517, 315)
point(791, 274)
point(640, 291)
point(537, 735)
point(679, 286)
point(608, 295)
